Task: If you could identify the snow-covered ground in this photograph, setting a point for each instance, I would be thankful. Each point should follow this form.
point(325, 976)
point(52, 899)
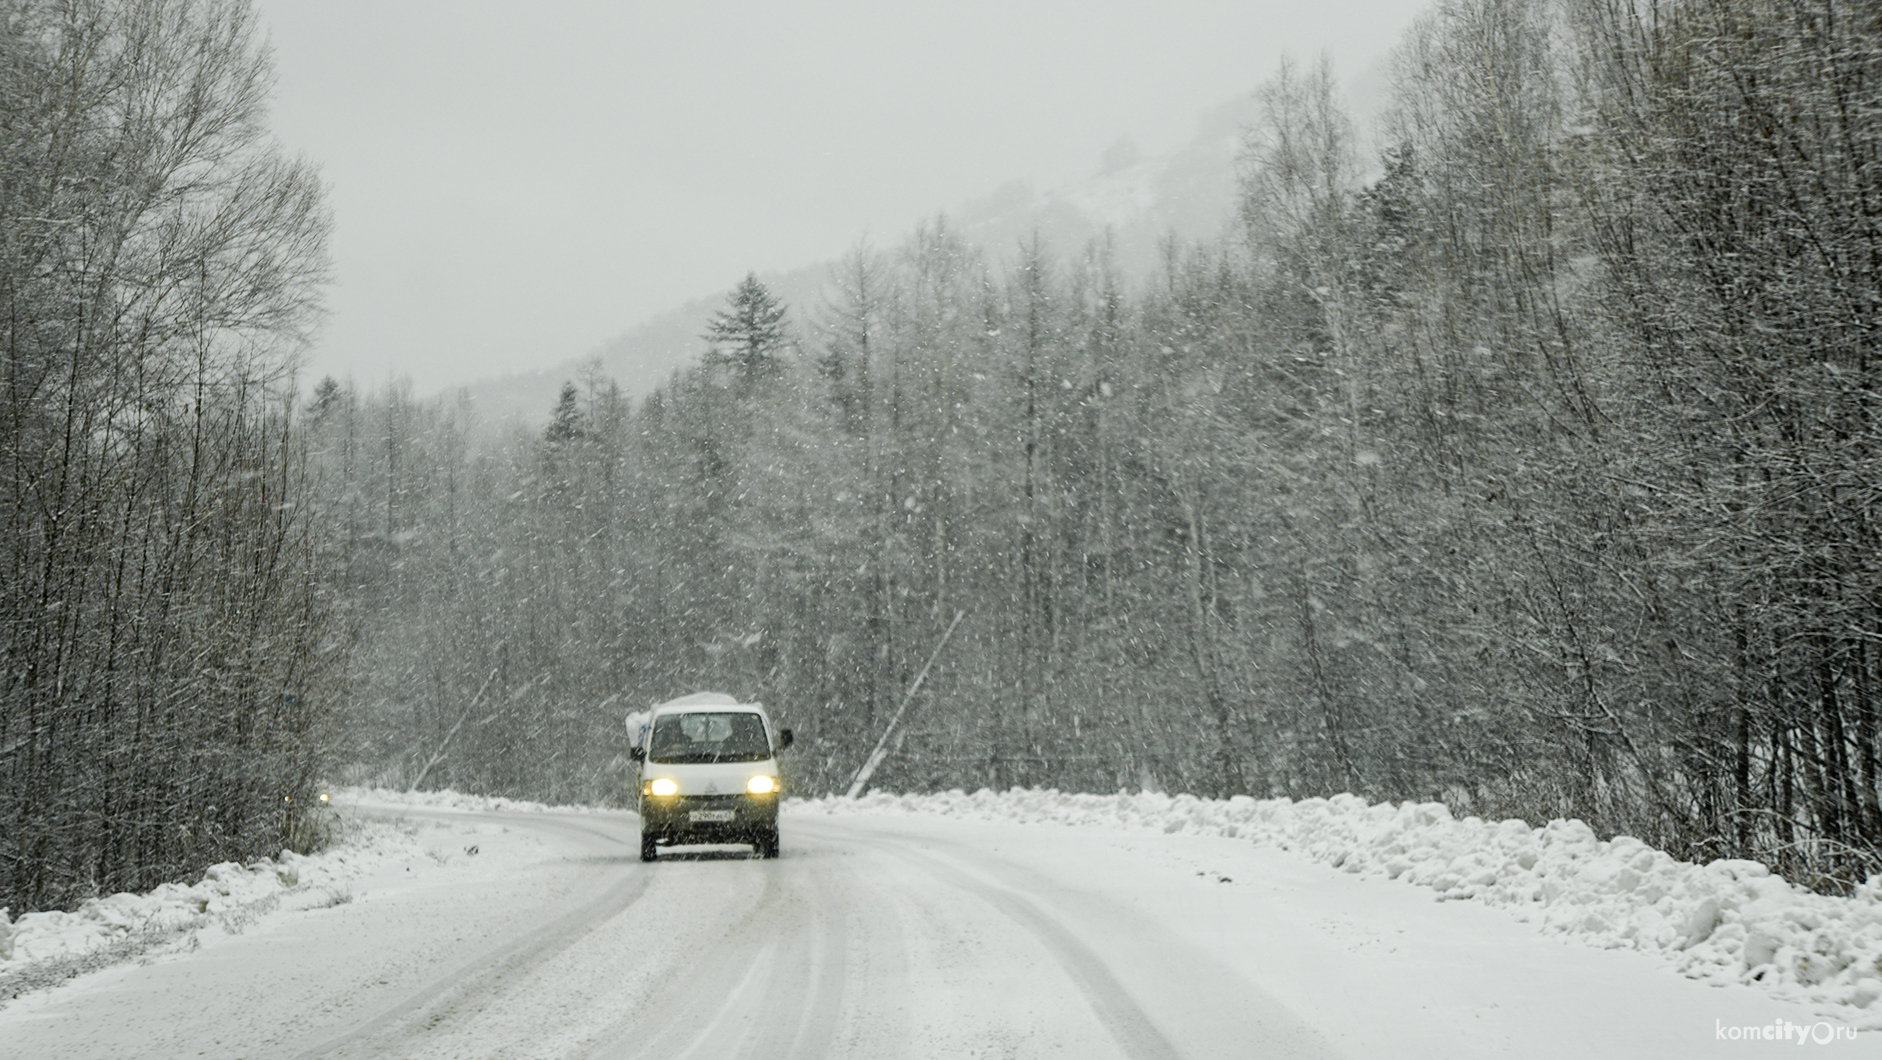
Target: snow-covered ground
point(41, 948)
point(1726, 922)
point(1025, 923)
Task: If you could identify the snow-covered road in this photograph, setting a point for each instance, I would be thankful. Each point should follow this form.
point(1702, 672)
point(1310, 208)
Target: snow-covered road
point(879, 935)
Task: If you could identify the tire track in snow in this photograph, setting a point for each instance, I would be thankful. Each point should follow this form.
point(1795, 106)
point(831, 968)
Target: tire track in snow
point(784, 959)
point(1128, 1024)
point(1208, 1009)
point(491, 971)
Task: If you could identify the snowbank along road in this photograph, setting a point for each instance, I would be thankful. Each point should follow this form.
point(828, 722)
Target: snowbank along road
point(880, 935)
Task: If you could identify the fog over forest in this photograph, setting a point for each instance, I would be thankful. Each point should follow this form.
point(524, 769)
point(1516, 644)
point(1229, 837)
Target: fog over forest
point(1530, 464)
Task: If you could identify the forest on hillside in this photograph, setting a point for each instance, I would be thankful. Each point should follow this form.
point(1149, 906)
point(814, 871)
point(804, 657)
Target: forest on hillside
point(1529, 463)
point(1536, 473)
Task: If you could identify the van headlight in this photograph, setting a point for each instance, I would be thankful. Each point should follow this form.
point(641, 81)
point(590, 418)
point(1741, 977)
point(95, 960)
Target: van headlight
point(663, 786)
point(761, 785)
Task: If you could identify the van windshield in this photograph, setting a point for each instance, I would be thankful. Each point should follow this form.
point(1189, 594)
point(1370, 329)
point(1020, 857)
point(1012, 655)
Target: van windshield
point(723, 737)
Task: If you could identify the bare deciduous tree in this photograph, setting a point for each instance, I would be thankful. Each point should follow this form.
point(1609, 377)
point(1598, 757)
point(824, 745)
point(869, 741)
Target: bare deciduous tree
point(162, 613)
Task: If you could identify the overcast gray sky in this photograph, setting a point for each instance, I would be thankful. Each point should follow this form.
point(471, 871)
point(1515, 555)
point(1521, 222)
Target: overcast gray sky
point(513, 184)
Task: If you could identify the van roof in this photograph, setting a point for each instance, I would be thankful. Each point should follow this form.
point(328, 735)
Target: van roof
point(704, 699)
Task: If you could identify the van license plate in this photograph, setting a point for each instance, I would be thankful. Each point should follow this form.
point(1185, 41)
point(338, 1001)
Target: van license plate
point(700, 816)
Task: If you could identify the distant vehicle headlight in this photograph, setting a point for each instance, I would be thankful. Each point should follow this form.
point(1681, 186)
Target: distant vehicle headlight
point(762, 785)
point(664, 786)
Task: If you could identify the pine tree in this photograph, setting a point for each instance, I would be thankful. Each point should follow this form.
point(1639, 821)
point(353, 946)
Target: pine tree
point(565, 424)
point(327, 397)
point(749, 335)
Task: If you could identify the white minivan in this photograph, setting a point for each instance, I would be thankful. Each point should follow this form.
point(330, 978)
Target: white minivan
point(708, 773)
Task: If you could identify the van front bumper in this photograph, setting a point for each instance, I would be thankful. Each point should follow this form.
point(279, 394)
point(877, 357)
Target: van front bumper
point(708, 818)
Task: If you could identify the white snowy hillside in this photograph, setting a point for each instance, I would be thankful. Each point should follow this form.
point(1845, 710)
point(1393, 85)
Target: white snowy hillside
point(1135, 202)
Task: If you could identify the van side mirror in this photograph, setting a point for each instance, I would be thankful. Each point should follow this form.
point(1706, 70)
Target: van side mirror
point(638, 754)
point(784, 738)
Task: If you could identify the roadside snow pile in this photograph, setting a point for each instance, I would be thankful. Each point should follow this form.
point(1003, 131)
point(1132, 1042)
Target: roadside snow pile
point(230, 894)
point(453, 800)
point(1729, 921)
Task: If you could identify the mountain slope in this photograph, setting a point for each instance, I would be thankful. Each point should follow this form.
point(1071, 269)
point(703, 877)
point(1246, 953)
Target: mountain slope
point(1138, 201)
